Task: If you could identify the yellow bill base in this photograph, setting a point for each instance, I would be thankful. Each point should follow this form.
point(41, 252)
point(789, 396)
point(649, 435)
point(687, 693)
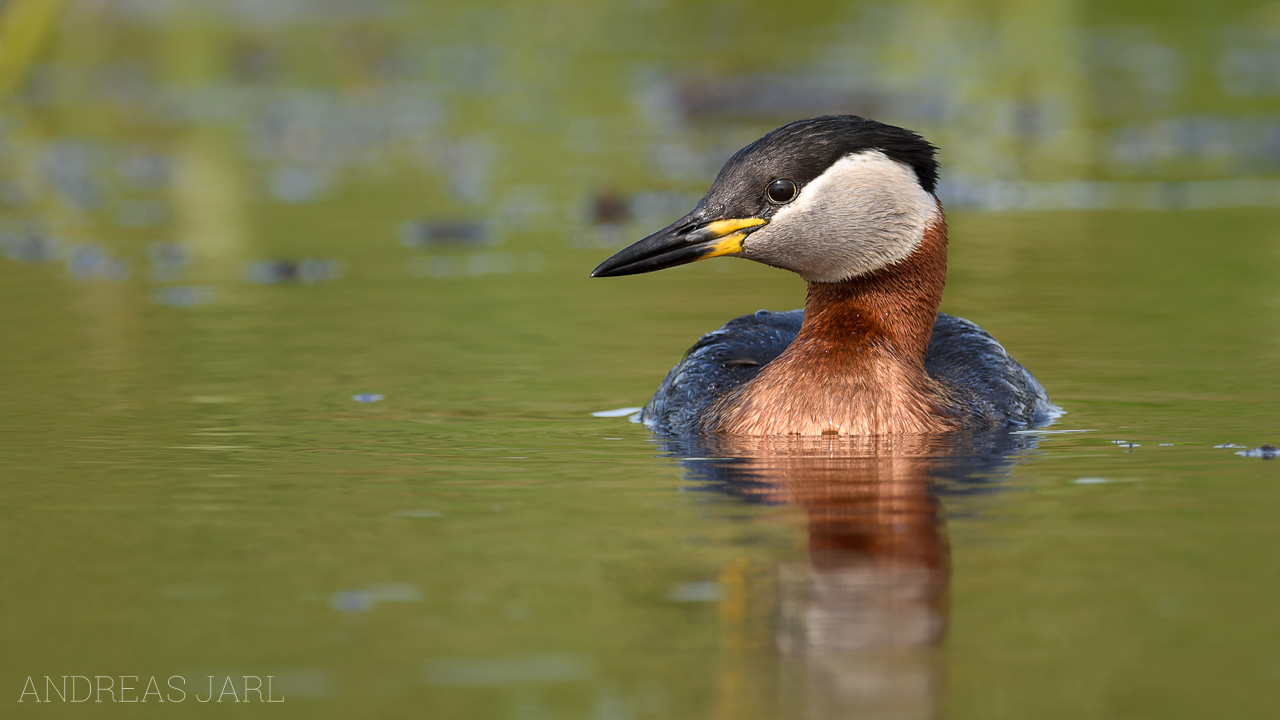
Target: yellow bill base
point(732, 240)
point(726, 246)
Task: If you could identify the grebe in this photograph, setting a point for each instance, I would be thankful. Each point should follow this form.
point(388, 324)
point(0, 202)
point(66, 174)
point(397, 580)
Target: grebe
point(848, 204)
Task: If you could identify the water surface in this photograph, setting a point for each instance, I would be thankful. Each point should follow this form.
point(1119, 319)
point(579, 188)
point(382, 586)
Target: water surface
point(300, 355)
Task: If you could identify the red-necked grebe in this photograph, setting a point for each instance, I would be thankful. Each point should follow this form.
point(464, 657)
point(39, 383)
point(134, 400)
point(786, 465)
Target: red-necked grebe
point(848, 204)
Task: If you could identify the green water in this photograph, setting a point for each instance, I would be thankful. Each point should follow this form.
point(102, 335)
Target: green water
point(218, 228)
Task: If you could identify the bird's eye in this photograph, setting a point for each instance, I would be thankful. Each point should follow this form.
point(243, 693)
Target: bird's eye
point(781, 192)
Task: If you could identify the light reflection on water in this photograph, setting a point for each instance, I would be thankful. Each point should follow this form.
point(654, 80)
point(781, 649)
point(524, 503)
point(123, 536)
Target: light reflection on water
point(858, 625)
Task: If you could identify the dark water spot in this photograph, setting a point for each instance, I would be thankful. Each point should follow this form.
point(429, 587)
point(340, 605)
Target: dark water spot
point(609, 207)
point(31, 246)
point(457, 233)
point(309, 270)
point(167, 261)
point(776, 97)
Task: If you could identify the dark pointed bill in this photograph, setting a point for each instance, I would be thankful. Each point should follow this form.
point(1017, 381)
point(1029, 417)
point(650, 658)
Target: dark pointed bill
point(683, 241)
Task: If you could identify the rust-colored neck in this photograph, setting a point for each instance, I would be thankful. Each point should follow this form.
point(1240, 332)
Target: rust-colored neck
point(857, 364)
point(892, 309)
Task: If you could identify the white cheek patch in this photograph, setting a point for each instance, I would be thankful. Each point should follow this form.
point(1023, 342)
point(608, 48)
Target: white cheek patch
point(865, 212)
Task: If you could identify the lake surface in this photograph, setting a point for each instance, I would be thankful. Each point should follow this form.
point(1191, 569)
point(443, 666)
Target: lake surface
point(299, 360)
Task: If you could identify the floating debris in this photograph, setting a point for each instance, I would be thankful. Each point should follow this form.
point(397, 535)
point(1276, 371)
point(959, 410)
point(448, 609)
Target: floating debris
point(309, 270)
point(30, 246)
point(1266, 451)
point(460, 233)
point(610, 207)
point(1166, 444)
point(367, 397)
point(1227, 446)
point(769, 95)
point(364, 599)
point(1091, 481)
point(1125, 443)
point(182, 295)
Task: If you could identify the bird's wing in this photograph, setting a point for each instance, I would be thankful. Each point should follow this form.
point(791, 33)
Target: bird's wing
point(962, 357)
point(719, 362)
point(980, 373)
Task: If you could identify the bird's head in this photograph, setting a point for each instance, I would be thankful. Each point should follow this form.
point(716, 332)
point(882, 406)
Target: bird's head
point(829, 198)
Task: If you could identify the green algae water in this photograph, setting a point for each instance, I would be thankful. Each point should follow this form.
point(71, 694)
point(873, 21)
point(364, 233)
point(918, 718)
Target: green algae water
point(299, 360)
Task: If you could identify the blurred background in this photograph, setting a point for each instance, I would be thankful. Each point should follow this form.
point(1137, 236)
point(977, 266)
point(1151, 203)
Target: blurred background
point(298, 352)
point(172, 143)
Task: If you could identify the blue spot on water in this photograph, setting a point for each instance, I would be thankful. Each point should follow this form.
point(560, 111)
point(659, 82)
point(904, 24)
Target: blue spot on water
point(367, 397)
point(182, 296)
point(1266, 452)
point(353, 601)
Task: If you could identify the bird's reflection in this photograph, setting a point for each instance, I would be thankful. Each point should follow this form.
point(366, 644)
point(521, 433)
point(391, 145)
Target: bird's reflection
point(857, 627)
